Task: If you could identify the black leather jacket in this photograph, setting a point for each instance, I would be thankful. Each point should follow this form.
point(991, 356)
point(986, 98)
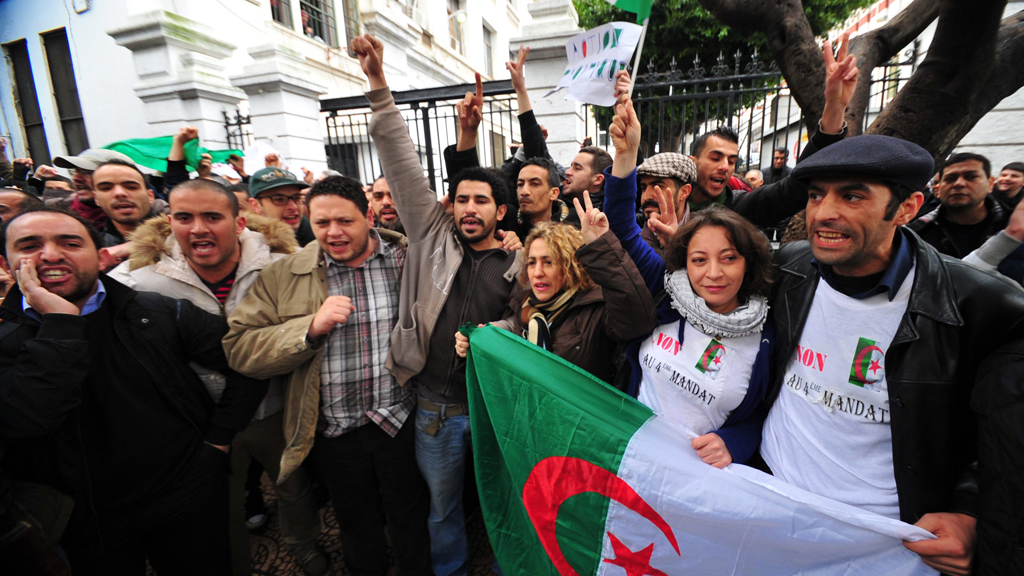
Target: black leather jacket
point(956, 316)
point(999, 402)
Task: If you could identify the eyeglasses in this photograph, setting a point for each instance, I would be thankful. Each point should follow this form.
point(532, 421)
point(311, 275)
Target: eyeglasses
point(281, 199)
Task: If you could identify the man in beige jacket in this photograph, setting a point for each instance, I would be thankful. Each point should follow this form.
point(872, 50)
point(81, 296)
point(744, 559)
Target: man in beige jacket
point(458, 271)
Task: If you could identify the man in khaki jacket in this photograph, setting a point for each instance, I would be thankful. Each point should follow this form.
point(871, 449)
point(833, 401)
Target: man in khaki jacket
point(324, 317)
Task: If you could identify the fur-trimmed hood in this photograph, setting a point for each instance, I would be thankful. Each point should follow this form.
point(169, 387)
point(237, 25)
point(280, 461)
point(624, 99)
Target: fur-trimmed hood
point(152, 241)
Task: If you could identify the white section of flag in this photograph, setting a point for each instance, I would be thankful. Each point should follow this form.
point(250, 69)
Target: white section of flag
point(739, 521)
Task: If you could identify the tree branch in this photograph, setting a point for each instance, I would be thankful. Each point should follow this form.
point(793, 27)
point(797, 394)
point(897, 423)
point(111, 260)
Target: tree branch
point(878, 46)
point(791, 41)
point(935, 108)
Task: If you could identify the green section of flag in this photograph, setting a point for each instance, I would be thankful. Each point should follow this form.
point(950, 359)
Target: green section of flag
point(642, 8)
point(152, 152)
point(713, 350)
point(862, 362)
point(527, 405)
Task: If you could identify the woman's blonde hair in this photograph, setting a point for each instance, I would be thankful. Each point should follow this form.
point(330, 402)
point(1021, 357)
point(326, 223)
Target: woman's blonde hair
point(562, 241)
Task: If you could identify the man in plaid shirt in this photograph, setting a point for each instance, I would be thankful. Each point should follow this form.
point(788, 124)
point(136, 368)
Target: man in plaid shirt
point(324, 316)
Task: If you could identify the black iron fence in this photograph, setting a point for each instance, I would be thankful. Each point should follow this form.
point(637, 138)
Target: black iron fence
point(433, 125)
point(239, 129)
point(751, 96)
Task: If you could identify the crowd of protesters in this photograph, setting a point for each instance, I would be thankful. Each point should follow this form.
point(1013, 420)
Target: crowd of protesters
point(163, 342)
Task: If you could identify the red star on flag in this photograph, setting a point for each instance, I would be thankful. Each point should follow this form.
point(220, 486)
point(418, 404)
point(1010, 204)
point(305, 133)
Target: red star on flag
point(717, 360)
point(635, 563)
point(875, 366)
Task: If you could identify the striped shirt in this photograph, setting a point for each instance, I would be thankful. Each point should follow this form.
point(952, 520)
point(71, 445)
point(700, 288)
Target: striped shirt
point(222, 289)
point(355, 387)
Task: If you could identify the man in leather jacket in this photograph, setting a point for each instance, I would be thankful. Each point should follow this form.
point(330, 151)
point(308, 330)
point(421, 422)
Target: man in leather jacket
point(879, 339)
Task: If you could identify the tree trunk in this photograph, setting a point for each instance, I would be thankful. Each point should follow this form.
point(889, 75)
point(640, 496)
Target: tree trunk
point(879, 46)
point(973, 63)
point(1006, 77)
point(937, 107)
point(792, 44)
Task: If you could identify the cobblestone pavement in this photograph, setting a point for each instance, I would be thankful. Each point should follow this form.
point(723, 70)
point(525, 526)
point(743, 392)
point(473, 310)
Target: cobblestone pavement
point(270, 556)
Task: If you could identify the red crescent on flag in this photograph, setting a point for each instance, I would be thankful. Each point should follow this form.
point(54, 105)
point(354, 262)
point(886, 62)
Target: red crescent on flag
point(706, 358)
point(857, 369)
point(557, 478)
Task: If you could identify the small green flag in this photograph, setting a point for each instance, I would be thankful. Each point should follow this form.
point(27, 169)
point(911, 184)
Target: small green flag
point(152, 152)
point(642, 8)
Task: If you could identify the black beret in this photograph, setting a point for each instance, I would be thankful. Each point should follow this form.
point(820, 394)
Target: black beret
point(891, 160)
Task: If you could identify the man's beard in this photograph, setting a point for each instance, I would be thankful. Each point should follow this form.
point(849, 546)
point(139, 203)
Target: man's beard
point(84, 284)
point(484, 233)
point(394, 225)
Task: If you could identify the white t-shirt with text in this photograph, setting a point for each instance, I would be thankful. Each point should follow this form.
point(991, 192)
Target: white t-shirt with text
point(828, 431)
point(699, 382)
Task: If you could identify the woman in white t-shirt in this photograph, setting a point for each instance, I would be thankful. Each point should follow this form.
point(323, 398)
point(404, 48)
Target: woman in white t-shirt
point(705, 366)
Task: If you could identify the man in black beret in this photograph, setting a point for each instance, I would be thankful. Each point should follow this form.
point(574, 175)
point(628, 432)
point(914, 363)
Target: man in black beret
point(879, 338)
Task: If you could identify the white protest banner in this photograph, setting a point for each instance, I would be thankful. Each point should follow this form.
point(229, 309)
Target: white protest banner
point(594, 58)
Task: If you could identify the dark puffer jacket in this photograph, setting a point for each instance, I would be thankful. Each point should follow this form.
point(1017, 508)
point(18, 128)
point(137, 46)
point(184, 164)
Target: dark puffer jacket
point(618, 309)
point(998, 400)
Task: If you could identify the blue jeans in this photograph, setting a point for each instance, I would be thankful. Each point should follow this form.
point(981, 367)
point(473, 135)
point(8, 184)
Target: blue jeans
point(442, 461)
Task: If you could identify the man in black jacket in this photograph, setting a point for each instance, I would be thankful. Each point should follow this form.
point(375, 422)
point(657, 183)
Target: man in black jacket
point(98, 402)
point(968, 213)
point(879, 339)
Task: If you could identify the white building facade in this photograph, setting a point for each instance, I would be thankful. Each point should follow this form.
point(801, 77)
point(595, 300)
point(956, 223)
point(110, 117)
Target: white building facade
point(86, 73)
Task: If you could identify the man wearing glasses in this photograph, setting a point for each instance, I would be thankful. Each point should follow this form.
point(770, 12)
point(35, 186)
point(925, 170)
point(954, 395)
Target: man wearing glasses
point(275, 193)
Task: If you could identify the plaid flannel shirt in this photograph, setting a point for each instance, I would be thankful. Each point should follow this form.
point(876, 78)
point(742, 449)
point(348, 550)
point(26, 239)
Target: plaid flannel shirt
point(355, 387)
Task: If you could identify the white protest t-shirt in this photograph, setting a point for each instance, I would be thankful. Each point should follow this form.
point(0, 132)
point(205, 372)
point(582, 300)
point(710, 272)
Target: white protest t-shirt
point(828, 431)
point(699, 382)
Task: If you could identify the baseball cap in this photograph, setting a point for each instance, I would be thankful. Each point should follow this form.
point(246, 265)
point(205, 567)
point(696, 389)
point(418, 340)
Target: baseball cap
point(270, 178)
point(90, 159)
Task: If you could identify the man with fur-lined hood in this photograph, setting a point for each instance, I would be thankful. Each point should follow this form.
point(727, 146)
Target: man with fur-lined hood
point(207, 253)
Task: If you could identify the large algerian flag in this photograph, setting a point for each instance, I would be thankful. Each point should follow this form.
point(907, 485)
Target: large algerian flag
point(642, 8)
point(152, 152)
point(576, 478)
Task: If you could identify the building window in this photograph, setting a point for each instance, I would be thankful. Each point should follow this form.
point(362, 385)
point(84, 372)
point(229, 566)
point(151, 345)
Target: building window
point(281, 12)
point(27, 103)
point(65, 90)
point(350, 8)
point(456, 18)
point(318, 21)
point(488, 52)
point(498, 143)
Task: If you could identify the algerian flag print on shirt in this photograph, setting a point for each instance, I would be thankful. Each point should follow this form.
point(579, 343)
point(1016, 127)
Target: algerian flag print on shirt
point(576, 478)
point(828, 431)
point(698, 382)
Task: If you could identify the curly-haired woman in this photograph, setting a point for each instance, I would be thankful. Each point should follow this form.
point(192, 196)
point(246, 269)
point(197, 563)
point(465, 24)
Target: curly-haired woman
point(581, 294)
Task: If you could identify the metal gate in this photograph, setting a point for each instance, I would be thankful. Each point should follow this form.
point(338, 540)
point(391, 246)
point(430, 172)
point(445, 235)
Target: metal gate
point(675, 107)
point(433, 125)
